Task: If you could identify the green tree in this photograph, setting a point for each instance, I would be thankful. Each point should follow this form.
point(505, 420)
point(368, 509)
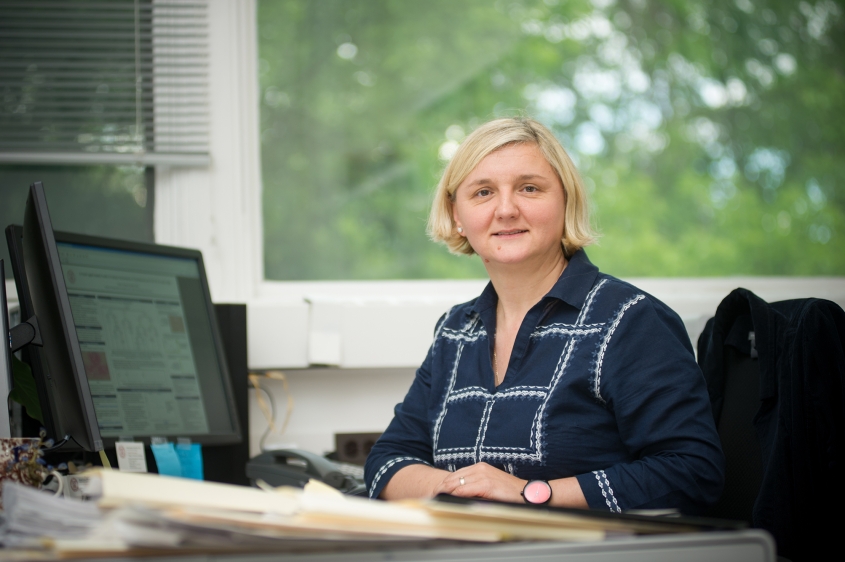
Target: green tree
point(708, 131)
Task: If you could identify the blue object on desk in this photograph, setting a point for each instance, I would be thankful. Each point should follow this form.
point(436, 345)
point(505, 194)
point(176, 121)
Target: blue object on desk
point(190, 457)
point(166, 458)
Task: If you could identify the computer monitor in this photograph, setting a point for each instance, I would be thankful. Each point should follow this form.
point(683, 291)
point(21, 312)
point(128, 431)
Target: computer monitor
point(131, 343)
point(32, 354)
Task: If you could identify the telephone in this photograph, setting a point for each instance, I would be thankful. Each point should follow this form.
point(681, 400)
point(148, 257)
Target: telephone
point(294, 467)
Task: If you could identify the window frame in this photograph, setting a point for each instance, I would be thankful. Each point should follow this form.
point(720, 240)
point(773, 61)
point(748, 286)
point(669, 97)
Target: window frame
point(217, 209)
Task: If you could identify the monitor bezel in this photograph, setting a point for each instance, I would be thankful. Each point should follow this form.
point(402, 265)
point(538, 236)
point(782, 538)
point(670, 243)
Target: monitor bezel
point(6, 378)
point(227, 438)
point(48, 293)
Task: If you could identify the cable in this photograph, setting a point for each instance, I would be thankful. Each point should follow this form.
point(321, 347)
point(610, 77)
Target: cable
point(270, 411)
point(272, 416)
point(60, 479)
point(58, 445)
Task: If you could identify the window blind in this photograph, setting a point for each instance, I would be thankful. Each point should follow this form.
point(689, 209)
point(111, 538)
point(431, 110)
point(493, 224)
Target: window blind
point(104, 82)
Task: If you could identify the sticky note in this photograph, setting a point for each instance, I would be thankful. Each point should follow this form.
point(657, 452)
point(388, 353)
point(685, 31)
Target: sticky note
point(131, 456)
point(190, 457)
point(166, 459)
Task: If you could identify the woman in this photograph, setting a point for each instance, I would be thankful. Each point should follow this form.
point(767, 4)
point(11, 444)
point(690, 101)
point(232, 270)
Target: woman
point(559, 384)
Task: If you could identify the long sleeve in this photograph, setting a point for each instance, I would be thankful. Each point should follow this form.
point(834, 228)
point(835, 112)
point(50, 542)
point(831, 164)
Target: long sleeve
point(649, 380)
point(407, 440)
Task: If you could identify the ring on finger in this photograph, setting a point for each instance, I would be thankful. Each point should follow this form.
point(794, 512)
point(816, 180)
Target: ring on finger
point(462, 481)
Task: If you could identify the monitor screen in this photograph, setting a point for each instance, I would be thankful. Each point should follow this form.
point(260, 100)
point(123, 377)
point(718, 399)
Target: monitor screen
point(131, 341)
point(146, 339)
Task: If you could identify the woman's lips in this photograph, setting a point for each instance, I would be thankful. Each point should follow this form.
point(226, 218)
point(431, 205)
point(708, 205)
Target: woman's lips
point(509, 232)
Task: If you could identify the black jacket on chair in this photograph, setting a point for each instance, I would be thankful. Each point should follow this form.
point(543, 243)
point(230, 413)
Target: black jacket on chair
point(798, 417)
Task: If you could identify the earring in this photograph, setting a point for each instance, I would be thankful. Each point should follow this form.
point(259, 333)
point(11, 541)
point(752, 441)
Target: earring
point(460, 230)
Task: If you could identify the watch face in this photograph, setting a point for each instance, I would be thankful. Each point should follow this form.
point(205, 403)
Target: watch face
point(537, 491)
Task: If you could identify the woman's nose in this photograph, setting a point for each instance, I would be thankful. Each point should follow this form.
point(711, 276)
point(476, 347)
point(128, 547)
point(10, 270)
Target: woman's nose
point(506, 207)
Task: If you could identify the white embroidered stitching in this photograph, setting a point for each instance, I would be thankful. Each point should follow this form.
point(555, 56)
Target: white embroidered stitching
point(448, 333)
point(464, 394)
point(535, 430)
point(468, 335)
point(443, 410)
point(482, 428)
point(603, 481)
point(443, 323)
point(529, 387)
point(439, 457)
point(556, 329)
point(483, 453)
point(603, 493)
point(387, 466)
point(439, 328)
point(494, 456)
point(538, 419)
point(522, 394)
point(588, 302)
point(603, 347)
point(469, 391)
point(485, 456)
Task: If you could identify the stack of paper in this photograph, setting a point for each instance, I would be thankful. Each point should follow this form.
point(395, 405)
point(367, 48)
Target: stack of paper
point(150, 513)
point(32, 515)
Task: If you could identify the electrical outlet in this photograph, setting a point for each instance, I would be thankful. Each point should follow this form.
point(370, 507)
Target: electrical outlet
point(354, 447)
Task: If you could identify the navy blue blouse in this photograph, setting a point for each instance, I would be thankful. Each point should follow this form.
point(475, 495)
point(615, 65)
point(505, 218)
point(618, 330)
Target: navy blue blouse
point(602, 385)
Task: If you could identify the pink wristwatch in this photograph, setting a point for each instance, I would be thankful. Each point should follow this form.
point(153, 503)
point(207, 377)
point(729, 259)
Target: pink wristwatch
point(538, 492)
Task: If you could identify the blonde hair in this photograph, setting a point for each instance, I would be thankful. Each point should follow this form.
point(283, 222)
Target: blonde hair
point(488, 138)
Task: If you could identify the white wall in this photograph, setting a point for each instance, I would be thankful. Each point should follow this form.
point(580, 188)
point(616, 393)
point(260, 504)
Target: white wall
point(329, 401)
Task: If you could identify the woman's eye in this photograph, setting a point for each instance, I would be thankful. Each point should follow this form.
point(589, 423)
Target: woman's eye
point(483, 192)
point(530, 188)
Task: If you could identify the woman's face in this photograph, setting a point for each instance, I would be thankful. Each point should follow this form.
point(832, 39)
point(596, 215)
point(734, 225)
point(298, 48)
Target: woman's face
point(511, 207)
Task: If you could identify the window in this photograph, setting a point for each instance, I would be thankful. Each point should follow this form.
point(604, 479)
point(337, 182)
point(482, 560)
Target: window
point(709, 132)
point(92, 95)
point(99, 200)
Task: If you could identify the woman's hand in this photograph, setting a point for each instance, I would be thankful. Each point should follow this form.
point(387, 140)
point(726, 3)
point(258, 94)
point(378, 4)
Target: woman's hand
point(479, 481)
point(482, 481)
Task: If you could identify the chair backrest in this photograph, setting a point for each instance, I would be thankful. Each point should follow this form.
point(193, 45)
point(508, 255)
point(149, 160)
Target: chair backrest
point(743, 458)
point(776, 377)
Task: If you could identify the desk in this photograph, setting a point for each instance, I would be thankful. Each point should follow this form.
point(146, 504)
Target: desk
point(739, 546)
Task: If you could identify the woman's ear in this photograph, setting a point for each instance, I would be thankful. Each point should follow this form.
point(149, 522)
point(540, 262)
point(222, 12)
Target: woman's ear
point(455, 220)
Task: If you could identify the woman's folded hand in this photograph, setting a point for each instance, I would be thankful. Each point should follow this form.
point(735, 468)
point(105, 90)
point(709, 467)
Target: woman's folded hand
point(482, 481)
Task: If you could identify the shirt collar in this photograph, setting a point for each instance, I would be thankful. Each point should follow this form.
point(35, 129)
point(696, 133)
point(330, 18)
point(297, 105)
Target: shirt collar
point(572, 287)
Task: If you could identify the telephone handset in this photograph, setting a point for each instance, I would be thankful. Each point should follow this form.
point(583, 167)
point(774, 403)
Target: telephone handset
point(294, 467)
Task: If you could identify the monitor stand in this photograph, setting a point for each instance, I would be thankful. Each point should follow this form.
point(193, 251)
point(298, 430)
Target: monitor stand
point(14, 339)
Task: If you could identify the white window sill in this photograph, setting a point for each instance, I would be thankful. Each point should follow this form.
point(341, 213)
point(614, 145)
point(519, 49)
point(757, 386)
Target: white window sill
point(387, 324)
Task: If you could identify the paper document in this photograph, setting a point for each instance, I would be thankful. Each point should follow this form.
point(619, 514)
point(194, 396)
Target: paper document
point(131, 513)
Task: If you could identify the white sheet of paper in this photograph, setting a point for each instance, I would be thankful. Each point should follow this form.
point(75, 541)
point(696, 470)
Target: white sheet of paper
point(130, 456)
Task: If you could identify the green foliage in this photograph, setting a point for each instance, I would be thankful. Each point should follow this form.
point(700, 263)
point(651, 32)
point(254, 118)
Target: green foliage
point(24, 391)
point(709, 132)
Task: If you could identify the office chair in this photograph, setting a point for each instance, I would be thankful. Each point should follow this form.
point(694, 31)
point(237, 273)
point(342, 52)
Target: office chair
point(776, 377)
point(735, 421)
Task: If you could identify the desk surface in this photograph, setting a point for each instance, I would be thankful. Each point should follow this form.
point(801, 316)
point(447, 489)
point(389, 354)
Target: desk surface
point(739, 546)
